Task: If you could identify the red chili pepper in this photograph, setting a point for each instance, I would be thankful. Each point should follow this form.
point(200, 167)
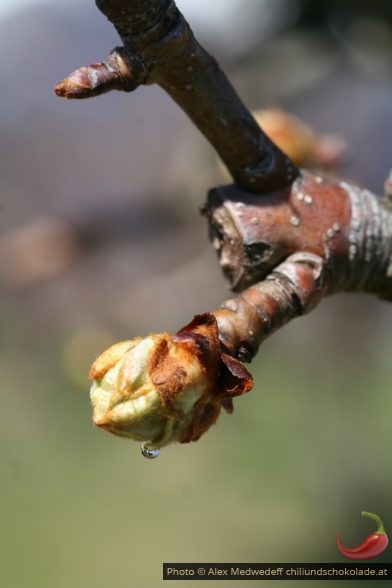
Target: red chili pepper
point(372, 546)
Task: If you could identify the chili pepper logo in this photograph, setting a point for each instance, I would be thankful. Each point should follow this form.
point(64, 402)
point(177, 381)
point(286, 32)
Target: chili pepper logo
point(370, 547)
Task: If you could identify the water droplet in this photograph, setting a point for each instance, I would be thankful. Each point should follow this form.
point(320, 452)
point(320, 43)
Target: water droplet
point(336, 227)
point(308, 199)
point(300, 196)
point(254, 221)
point(148, 452)
point(295, 221)
point(319, 179)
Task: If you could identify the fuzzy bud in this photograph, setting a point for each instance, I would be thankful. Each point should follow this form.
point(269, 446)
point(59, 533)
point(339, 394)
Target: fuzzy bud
point(166, 388)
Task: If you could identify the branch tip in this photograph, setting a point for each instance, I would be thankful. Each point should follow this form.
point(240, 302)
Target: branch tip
point(121, 71)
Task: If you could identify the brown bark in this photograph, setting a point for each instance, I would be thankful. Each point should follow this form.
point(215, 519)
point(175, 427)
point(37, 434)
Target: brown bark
point(292, 289)
point(327, 237)
point(348, 227)
point(285, 239)
point(159, 41)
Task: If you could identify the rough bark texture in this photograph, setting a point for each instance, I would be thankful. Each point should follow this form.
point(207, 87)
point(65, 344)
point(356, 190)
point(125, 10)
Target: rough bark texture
point(285, 238)
point(294, 288)
point(348, 227)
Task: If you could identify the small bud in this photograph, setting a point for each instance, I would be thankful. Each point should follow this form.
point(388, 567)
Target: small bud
point(166, 388)
point(122, 70)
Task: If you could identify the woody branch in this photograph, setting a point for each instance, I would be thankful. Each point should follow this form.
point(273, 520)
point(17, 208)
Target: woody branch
point(346, 231)
point(160, 48)
point(285, 238)
point(287, 250)
point(348, 228)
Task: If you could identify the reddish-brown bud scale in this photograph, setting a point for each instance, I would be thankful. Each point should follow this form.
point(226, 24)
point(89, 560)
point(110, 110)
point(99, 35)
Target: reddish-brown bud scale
point(166, 388)
point(121, 71)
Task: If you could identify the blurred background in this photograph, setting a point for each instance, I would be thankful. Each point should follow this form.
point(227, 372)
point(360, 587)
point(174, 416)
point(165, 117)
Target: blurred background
point(101, 239)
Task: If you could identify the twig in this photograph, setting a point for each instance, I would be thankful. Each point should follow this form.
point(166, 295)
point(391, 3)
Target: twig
point(167, 388)
point(122, 70)
point(285, 250)
point(292, 289)
point(161, 48)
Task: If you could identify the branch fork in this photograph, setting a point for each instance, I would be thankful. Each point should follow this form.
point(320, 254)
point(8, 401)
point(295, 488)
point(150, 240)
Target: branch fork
point(285, 239)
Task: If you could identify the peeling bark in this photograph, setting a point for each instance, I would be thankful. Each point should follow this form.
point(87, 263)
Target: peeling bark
point(349, 228)
point(292, 289)
point(285, 238)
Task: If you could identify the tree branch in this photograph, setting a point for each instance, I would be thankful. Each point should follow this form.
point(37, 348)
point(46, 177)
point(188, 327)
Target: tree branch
point(348, 227)
point(292, 289)
point(300, 239)
point(160, 48)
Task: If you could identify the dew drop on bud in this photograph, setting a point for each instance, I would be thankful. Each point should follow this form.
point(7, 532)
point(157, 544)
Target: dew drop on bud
point(148, 452)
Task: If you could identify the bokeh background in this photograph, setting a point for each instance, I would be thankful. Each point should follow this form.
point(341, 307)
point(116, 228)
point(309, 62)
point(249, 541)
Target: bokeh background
point(101, 240)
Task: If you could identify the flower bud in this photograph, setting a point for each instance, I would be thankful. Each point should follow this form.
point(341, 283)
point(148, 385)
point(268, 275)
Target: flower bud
point(166, 388)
